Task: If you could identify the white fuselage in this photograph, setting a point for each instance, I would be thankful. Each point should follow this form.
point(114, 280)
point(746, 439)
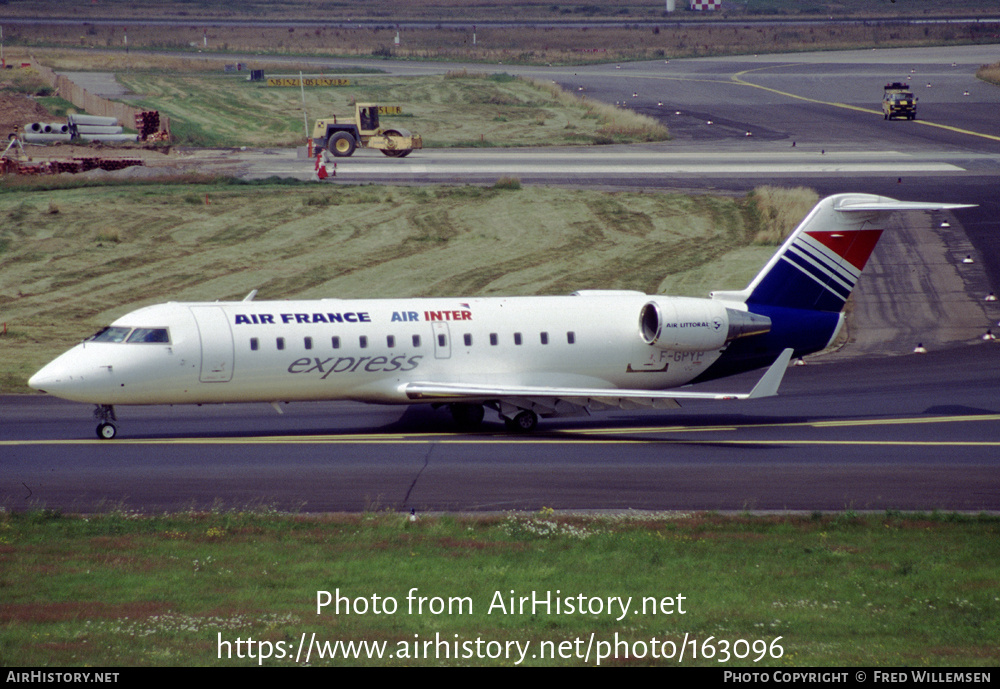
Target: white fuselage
point(370, 349)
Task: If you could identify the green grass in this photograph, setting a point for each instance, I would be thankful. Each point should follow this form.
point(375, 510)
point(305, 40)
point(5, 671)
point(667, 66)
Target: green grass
point(120, 589)
point(990, 73)
point(458, 109)
point(76, 255)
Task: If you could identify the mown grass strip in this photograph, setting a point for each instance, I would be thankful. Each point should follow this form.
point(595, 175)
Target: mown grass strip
point(75, 255)
point(125, 589)
point(457, 109)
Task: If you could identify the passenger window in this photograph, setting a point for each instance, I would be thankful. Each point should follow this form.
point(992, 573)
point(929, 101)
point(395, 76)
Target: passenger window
point(254, 344)
point(545, 338)
point(517, 338)
point(442, 341)
point(281, 343)
point(571, 337)
point(335, 342)
point(390, 341)
point(494, 340)
point(468, 340)
point(309, 343)
point(416, 340)
point(363, 340)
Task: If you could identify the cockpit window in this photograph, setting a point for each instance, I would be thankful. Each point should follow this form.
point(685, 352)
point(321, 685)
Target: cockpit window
point(131, 335)
point(111, 334)
point(149, 335)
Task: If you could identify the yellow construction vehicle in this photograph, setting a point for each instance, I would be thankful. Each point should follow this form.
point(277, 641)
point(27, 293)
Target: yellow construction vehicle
point(342, 138)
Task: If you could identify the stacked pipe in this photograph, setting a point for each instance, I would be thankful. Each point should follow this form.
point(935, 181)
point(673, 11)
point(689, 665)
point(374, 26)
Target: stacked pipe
point(147, 123)
point(119, 163)
point(86, 164)
point(96, 128)
point(57, 166)
point(53, 167)
point(45, 132)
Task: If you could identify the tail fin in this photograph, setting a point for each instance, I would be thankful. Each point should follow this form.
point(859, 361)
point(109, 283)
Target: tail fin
point(819, 264)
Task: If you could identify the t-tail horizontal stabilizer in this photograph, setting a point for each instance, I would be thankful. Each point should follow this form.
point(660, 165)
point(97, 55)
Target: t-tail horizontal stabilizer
point(819, 264)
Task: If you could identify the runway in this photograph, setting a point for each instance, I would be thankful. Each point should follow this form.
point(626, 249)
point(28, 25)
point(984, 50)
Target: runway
point(916, 432)
point(909, 432)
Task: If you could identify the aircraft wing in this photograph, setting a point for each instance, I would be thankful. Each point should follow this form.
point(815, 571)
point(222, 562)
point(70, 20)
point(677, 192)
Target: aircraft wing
point(558, 400)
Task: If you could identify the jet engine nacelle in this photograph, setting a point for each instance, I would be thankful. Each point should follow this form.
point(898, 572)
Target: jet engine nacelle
point(696, 325)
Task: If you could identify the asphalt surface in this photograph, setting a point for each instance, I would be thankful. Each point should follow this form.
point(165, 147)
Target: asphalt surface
point(908, 432)
point(916, 432)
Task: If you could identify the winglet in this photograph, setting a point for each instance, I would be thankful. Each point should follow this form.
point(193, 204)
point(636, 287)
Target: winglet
point(769, 382)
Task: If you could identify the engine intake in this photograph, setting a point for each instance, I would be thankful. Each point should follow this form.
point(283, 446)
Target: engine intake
point(691, 325)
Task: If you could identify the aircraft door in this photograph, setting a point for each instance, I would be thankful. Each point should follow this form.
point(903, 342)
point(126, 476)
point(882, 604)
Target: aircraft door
point(442, 339)
point(216, 344)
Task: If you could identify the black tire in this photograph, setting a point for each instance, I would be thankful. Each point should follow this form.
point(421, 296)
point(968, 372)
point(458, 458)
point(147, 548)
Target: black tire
point(467, 416)
point(106, 431)
point(523, 422)
point(341, 145)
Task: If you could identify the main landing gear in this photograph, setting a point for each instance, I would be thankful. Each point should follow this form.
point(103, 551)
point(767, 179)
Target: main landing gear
point(524, 421)
point(104, 414)
point(469, 417)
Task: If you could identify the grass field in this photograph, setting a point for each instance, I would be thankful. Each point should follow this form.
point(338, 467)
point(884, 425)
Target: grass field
point(119, 589)
point(458, 109)
point(990, 73)
point(73, 259)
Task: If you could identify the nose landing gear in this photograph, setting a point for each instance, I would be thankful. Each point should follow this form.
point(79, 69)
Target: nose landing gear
point(104, 414)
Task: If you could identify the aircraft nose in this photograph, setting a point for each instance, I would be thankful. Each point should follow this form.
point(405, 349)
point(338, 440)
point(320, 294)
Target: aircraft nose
point(39, 381)
point(72, 376)
point(52, 378)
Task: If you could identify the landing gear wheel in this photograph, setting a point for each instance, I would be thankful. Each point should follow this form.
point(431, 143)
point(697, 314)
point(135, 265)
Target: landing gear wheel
point(523, 422)
point(467, 416)
point(104, 415)
point(341, 144)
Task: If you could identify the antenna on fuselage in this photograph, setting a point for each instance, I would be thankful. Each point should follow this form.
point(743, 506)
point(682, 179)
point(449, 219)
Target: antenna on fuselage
point(249, 297)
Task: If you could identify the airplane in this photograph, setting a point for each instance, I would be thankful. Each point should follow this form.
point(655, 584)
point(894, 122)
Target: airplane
point(524, 357)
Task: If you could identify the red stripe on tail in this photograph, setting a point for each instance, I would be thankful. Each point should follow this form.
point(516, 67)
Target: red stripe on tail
point(854, 247)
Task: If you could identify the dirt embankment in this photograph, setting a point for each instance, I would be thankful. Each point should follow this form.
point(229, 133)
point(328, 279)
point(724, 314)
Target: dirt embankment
point(17, 110)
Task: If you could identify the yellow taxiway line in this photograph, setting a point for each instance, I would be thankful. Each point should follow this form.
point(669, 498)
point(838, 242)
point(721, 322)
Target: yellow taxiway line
point(565, 436)
point(736, 79)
